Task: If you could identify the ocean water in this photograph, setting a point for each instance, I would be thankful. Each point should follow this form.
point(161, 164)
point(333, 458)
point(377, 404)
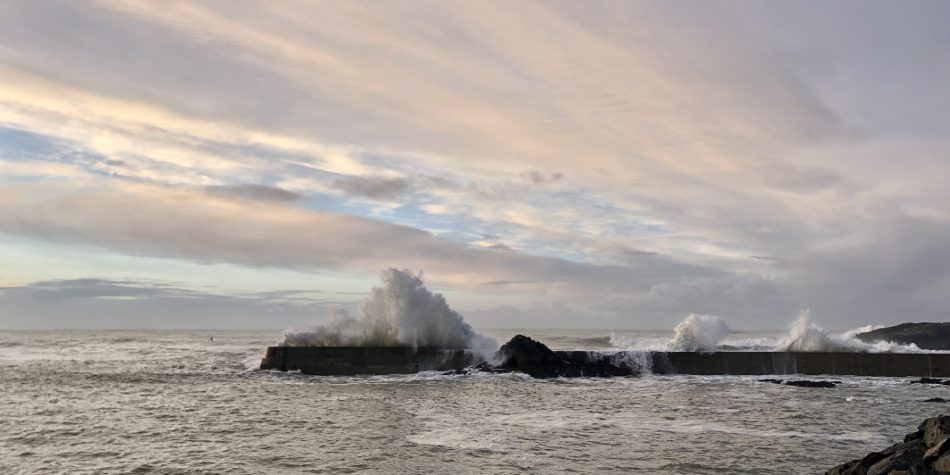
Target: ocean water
point(176, 402)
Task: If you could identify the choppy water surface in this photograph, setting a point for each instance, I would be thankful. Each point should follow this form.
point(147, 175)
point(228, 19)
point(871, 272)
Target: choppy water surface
point(171, 402)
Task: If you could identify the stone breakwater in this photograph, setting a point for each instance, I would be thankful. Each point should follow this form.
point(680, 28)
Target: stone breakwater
point(522, 354)
point(923, 452)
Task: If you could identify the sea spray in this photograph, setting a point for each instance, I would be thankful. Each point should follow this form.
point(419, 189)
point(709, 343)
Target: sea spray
point(641, 361)
point(400, 312)
point(699, 333)
point(805, 335)
point(694, 333)
point(638, 343)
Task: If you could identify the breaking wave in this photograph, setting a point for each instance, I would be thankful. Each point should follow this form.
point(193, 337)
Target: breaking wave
point(695, 333)
point(710, 333)
point(400, 312)
point(699, 333)
point(805, 335)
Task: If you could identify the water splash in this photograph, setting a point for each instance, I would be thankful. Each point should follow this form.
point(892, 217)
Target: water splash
point(400, 312)
point(805, 335)
point(699, 333)
point(695, 333)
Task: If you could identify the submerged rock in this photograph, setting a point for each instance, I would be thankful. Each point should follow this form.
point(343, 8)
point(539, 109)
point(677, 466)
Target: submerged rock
point(927, 335)
point(926, 451)
point(534, 358)
point(802, 383)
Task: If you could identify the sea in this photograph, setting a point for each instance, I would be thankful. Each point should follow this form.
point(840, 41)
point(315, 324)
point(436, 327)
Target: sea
point(190, 401)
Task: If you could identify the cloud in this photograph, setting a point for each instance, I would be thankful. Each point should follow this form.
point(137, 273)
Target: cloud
point(539, 178)
point(103, 303)
point(644, 159)
point(179, 223)
point(254, 192)
point(374, 187)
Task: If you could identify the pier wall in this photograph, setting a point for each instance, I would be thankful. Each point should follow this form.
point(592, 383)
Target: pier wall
point(810, 363)
point(400, 360)
point(347, 360)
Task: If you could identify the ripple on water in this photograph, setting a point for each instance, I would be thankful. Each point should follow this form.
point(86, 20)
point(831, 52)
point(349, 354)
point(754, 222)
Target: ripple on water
point(166, 402)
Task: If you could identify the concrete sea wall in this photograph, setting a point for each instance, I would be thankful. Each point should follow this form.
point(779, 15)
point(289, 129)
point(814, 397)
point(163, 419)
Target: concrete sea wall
point(398, 360)
point(347, 360)
point(811, 363)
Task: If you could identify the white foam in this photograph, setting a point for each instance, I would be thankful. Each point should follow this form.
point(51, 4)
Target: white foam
point(695, 333)
point(401, 312)
point(636, 343)
point(699, 333)
point(805, 335)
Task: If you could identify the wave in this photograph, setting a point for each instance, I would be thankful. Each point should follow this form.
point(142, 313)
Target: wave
point(805, 335)
point(400, 312)
point(699, 333)
point(710, 333)
point(695, 333)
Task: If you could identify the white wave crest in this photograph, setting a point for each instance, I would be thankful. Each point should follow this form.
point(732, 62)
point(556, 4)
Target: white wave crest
point(805, 335)
point(401, 312)
point(695, 333)
point(699, 333)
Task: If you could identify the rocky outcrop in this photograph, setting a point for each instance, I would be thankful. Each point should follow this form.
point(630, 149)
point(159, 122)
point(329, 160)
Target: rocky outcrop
point(534, 358)
point(929, 336)
point(924, 452)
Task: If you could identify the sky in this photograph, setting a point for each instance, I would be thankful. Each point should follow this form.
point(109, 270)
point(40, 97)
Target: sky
point(608, 164)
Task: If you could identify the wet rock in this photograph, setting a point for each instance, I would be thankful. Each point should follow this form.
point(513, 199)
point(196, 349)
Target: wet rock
point(528, 356)
point(926, 451)
point(804, 383)
point(941, 465)
point(938, 450)
point(481, 367)
point(936, 399)
point(935, 429)
point(931, 381)
point(929, 336)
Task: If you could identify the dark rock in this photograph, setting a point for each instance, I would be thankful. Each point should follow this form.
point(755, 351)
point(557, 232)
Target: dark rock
point(936, 399)
point(938, 450)
point(935, 428)
point(481, 367)
point(528, 356)
point(522, 351)
point(804, 383)
point(930, 336)
point(922, 452)
point(930, 381)
point(906, 460)
point(941, 465)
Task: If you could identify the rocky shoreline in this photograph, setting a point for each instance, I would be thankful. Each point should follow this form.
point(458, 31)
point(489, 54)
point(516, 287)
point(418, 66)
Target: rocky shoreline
point(923, 452)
